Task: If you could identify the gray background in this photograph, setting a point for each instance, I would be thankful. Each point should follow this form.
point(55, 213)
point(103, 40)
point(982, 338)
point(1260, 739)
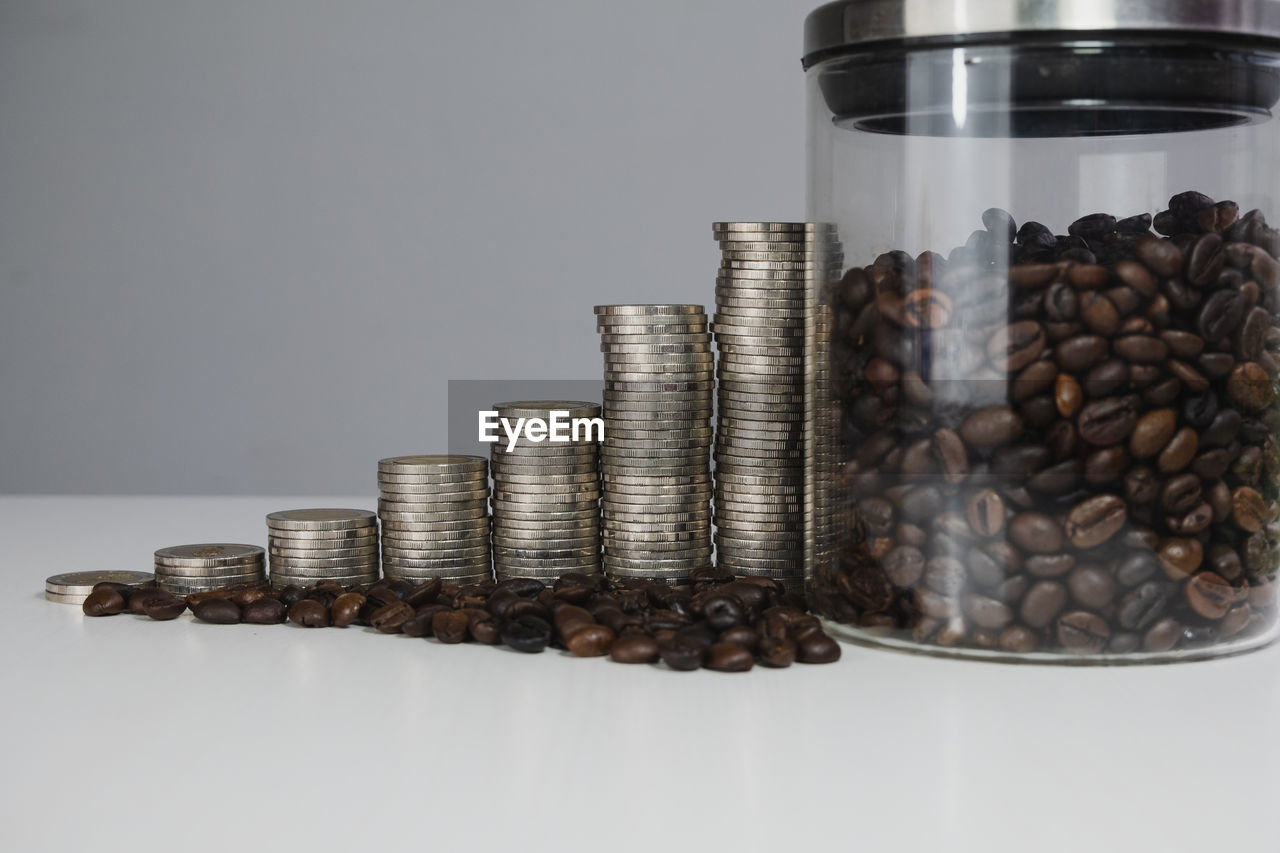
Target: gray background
point(244, 244)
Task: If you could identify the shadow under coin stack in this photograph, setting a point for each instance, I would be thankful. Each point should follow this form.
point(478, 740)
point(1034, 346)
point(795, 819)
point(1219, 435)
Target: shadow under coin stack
point(655, 457)
point(435, 518)
point(312, 545)
point(546, 497)
point(766, 279)
point(184, 569)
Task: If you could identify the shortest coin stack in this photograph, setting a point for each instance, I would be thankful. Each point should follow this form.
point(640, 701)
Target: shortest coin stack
point(74, 587)
point(184, 569)
point(435, 518)
point(311, 545)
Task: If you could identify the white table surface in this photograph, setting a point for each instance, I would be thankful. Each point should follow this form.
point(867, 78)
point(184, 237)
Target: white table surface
point(122, 732)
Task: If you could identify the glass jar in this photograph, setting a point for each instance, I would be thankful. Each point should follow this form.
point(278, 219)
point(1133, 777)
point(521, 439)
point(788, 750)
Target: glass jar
point(1043, 399)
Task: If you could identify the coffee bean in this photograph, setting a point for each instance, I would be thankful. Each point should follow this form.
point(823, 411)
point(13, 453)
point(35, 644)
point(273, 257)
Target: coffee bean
point(1015, 346)
point(1108, 421)
point(1035, 532)
point(1083, 632)
point(683, 653)
point(816, 647)
point(987, 612)
point(1249, 387)
point(1160, 256)
point(1152, 432)
point(218, 611)
point(1249, 510)
point(1017, 640)
point(263, 611)
point(390, 618)
point(160, 606)
point(345, 609)
point(1162, 636)
point(634, 648)
point(1094, 521)
point(1091, 586)
point(589, 641)
point(777, 651)
point(991, 427)
point(528, 633)
point(1180, 557)
point(448, 626)
point(484, 629)
point(1209, 595)
point(904, 565)
point(103, 601)
point(985, 511)
point(1042, 603)
point(1050, 565)
point(728, 657)
point(1068, 396)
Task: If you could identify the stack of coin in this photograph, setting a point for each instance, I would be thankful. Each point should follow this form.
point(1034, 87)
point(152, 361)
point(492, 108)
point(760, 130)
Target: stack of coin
point(74, 587)
point(435, 518)
point(184, 569)
point(546, 494)
point(768, 275)
point(311, 545)
point(654, 459)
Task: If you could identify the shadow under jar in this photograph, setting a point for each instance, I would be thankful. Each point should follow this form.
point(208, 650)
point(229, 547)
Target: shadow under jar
point(1043, 399)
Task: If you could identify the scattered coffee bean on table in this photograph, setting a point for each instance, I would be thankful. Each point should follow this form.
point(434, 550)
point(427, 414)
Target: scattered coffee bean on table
point(717, 621)
point(1072, 451)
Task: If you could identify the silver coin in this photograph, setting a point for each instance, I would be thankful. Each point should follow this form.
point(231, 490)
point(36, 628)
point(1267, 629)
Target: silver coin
point(699, 531)
point(584, 478)
point(82, 583)
point(433, 548)
point(736, 436)
point(542, 408)
point(550, 466)
point(676, 364)
point(75, 598)
point(462, 567)
point(468, 525)
point(581, 473)
point(658, 379)
point(659, 349)
point(758, 306)
point(448, 576)
point(447, 482)
point(348, 581)
point(324, 553)
point(401, 503)
point(515, 565)
point(700, 336)
point(546, 512)
point(351, 534)
point(762, 373)
point(690, 543)
point(437, 553)
point(550, 533)
point(785, 426)
point(213, 554)
point(792, 462)
point(309, 577)
point(432, 464)
point(748, 243)
point(657, 372)
point(640, 560)
point(635, 463)
point(771, 227)
point(415, 494)
point(182, 585)
point(654, 399)
point(323, 562)
point(646, 310)
point(625, 481)
point(546, 487)
point(747, 400)
point(503, 554)
point(755, 480)
point(788, 413)
point(207, 571)
point(732, 273)
point(659, 385)
point(642, 537)
point(739, 515)
point(732, 353)
point(755, 386)
point(549, 540)
point(320, 519)
point(432, 517)
point(625, 330)
point(653, 517)
point(751, 325)
point(760, 548)
point(655, 504)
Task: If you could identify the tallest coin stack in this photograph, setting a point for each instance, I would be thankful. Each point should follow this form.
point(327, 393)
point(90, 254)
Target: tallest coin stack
point(655, 457)
point(764, 290)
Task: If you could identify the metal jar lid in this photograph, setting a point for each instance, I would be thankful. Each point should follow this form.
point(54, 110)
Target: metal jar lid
point(847, 24)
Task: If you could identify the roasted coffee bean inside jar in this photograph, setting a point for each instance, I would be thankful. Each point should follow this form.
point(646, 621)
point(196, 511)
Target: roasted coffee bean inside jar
point(1079, 457)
